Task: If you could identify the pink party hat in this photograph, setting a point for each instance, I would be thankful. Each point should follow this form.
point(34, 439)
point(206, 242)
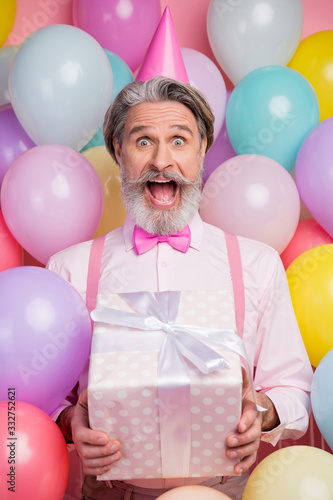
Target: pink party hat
point(163, 57)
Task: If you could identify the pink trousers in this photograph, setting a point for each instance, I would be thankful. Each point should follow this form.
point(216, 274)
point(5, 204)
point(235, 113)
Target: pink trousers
point(99, 490)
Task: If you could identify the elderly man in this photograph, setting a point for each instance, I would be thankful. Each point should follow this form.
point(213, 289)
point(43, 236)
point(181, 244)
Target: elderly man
point(158, 132)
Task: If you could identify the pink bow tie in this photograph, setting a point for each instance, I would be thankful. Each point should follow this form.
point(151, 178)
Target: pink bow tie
point(144, 241)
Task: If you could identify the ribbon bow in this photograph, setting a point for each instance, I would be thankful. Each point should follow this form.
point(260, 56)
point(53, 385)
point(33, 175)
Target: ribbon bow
point(143, 241)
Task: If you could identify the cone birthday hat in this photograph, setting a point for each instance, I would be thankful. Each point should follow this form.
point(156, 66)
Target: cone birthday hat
point(163, 57)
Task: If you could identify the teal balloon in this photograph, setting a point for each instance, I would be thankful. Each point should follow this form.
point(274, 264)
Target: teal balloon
point(270, 112)
point(122, 75)
point(322, 397)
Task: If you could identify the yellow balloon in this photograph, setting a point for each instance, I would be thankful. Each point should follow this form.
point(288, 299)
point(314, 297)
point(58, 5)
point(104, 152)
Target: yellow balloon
point(114, 212)
point(310, 278)
point(195, 492)
point(314, 60)
point(7, 18)
point(292, 473)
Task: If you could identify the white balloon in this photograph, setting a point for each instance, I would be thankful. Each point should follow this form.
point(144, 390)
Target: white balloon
point(60, 84)
point(6, 54)
point(247, 34)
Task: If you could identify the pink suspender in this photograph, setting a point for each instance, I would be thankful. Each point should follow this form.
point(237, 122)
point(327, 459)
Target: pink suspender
point(235, 263)
point(236, 270)
point(94, 272)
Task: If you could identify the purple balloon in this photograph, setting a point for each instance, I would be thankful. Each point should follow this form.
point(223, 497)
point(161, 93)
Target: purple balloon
point(314, 174)
point(13, 139)
point(45, 336)
point(220, 151)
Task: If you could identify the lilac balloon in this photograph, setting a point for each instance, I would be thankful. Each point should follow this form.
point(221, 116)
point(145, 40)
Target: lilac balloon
point(45, 336)
point(13, 139)
point(314, 174)
point(125, 27)
point(204, 75)
point(220, 151)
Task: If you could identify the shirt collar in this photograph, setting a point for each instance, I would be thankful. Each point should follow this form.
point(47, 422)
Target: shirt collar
point(196, 227)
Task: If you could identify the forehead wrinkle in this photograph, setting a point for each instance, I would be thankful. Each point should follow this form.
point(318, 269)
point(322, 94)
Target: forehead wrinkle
point(146, 128)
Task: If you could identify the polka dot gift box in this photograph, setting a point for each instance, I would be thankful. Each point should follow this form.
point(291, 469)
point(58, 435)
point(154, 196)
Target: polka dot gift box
point(165, 379)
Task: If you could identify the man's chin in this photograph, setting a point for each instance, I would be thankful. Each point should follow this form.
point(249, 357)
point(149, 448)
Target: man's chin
point(161, 221)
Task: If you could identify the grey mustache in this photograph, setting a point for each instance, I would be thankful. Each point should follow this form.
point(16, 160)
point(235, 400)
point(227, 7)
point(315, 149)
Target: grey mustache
point(151, 175)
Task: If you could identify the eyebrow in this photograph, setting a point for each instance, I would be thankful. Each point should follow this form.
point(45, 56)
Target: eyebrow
point(144, 128)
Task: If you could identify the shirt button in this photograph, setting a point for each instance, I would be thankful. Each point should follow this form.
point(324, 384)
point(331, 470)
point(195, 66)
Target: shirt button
point(164, 264)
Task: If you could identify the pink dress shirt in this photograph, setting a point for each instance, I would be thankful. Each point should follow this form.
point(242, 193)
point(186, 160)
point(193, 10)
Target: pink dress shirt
point(276, 352)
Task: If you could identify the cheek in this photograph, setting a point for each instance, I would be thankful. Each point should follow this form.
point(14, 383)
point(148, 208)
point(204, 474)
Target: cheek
point(191, 166)
point(133, 165)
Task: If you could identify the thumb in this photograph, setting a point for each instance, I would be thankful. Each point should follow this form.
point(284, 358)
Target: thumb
point(246, 383)
point(80, 423)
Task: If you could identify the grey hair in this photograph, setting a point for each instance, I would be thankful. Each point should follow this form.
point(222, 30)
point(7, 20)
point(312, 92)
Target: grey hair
point(157, 89)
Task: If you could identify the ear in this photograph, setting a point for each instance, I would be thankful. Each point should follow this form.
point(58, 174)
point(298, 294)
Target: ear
point(117, 149)
point(203, 147)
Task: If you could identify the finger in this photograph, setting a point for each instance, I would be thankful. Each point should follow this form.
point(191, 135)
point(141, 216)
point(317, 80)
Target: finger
point(82, 434)
point(89, 471)
point(99, 465)
point(245, 464)
point(90, 451)
point(243, 451)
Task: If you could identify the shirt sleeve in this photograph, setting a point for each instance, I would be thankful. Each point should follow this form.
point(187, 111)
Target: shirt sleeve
point(282, 368)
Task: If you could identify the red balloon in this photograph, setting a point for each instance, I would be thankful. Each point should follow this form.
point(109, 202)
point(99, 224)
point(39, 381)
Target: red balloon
point(10, 249)
point(34, 461)
point(308, 234)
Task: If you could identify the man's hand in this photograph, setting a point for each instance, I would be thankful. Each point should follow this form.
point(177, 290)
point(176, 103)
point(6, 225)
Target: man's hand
point(245, 443)
point(96, 451)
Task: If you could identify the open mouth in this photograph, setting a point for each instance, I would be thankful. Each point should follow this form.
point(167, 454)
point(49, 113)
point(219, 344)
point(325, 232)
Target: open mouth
point(162, 192)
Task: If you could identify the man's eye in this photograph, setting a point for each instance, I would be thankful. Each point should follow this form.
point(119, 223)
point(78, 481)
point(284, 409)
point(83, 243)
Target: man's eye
point(178, 141)
point(143, 142)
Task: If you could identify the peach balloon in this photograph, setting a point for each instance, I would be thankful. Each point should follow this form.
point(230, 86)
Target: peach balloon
point(195, 492)
point(114, 212)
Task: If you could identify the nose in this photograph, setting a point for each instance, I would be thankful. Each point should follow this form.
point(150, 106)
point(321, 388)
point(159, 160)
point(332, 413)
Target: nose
point(162, 157)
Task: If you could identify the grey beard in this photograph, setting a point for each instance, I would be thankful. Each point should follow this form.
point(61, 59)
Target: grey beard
point(159, 221)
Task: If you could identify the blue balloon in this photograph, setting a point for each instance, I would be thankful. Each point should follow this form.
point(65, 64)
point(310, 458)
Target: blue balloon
point(270, 112)
point(122, 75)
point(322, 397)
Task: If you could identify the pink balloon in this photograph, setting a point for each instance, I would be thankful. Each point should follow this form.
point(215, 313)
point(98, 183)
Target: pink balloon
point(10, 249)
point(307, 235)
point(13, 139)
point(252, 196)
point(204, 75)
point(125, 28)
point(51, 198)
point(220, 151)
